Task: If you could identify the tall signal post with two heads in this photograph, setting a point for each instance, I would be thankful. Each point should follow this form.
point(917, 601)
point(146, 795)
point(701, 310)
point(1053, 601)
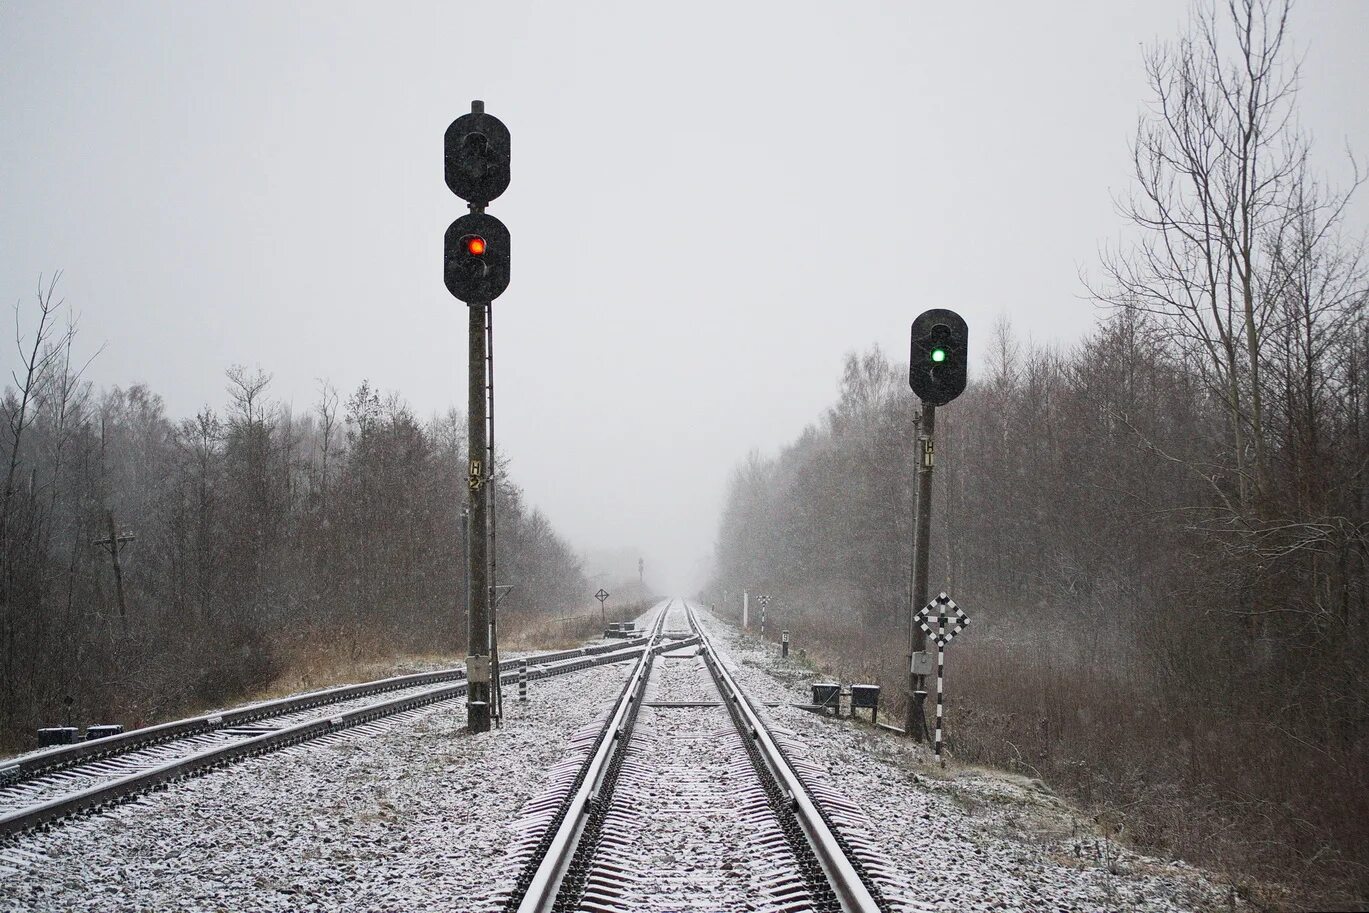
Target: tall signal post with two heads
point(937, 372)
point(476, 271)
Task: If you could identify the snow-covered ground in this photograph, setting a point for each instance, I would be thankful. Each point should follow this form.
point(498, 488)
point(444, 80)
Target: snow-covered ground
point(970, 839)
point(414, 814)
point(690, 821)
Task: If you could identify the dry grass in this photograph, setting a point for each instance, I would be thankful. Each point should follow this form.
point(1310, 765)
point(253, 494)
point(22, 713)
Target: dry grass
point(1285, 822)
point(1218, 786)
point(549, 633)
point(323, 666)
point(322, 659)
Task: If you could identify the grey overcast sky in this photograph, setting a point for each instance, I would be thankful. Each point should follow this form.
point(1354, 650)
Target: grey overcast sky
point(712, 202)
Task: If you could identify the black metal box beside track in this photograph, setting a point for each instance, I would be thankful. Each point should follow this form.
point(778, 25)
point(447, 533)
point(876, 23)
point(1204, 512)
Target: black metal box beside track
point(57, 735)
point(865, 697)
point(827, 694)
point(103, 732)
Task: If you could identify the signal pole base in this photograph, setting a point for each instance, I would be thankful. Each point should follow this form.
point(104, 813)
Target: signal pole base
point(915, 726)
point(478, 716)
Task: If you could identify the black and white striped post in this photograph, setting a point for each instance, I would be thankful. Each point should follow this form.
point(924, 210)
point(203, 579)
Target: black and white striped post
point(765, 604)
point(942, 605)
point(940, 682)
point(522, 679)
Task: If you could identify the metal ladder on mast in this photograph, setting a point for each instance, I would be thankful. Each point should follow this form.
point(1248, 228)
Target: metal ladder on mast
point(496, 687)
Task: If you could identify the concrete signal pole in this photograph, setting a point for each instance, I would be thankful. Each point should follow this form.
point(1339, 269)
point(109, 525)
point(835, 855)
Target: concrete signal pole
point(915, 721)
point(937, 372)
point(476, 257)
point(478, 633)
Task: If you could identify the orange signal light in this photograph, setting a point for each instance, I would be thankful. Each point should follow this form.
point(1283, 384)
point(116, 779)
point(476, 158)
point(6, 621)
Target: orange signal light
point(475, 246)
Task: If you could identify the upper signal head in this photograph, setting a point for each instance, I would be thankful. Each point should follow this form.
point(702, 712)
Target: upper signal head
point(937, 362)
point(476, 156)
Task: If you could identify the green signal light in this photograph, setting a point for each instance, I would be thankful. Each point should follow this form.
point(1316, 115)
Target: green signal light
point(938, 355)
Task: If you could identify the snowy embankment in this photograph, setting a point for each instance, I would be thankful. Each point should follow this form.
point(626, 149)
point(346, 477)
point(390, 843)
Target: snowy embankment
point(411, 813)
point(967, 839)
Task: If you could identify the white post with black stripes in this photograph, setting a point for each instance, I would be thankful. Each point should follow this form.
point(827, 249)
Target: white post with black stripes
point(940, 681)
point(941, 605)
point(522, 679)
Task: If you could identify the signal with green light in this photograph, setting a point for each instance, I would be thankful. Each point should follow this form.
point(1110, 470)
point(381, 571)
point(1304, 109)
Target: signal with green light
point(937, 364)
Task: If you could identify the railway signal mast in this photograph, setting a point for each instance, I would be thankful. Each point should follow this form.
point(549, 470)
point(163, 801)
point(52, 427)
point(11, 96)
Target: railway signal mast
point(937, 372)
point(476, 271)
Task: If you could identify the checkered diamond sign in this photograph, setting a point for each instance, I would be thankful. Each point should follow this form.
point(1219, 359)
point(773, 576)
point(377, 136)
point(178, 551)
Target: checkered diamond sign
point(935, 615)
point(945, 611)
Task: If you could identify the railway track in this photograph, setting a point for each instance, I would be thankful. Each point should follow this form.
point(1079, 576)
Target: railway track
point(45, 787)
point(684, 799)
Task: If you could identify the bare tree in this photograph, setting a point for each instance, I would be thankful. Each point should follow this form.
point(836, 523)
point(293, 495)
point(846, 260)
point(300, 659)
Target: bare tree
point(327, 412)
point(19, 523)
point(1215, 162)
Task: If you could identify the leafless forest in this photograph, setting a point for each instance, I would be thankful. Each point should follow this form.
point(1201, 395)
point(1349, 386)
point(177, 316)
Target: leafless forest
point(262, 538)
point(1161, 532)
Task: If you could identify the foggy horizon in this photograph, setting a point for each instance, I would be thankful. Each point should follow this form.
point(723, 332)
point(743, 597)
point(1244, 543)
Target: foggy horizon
point(699, 243)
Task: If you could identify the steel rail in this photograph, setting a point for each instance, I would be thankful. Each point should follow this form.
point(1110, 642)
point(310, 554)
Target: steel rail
point(542, 886)
point(846, 880)
point(27, 768)
point(129, 785)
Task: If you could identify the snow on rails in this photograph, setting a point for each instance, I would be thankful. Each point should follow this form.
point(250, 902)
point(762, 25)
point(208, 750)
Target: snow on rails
point(606, 834)
point(411, 811)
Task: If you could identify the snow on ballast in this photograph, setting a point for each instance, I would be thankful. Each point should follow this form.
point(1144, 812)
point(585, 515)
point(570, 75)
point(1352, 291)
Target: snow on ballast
point(56, 787)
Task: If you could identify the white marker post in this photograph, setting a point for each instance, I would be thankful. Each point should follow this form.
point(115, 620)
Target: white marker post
point(941, 604)
point(940, 680)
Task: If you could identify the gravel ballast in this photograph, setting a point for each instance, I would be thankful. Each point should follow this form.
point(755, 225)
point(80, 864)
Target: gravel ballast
point(406, 814)
point(412, 813)
point(966, 839)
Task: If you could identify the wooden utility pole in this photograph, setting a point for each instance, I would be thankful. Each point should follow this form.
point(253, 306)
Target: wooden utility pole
point(111, 544)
